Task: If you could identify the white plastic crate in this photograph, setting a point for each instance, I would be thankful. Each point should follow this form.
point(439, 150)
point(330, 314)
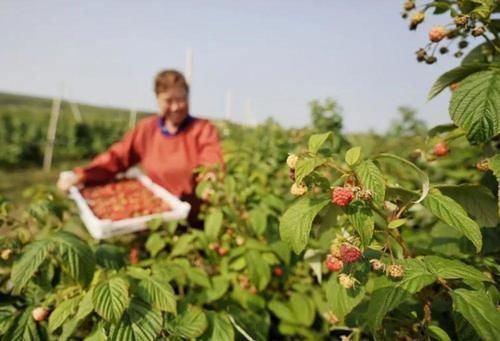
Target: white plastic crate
point(105, 228)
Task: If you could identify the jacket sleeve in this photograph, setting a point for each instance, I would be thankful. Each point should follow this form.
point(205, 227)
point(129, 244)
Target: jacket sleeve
point(118, 158)
point(210, 151)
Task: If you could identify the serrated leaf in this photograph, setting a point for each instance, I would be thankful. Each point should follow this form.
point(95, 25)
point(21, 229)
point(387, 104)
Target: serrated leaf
point(24, 328)
point(219, 329)
point(190, 324)
point(219, 286)
point(110, 298)
point(317, 140)
point(361, 217)
point(155, 291)
point(479, 311)
point(139, 322)
point(352, 156)
point(424, 179)
point(342, 301)
point(155, 244)
point(306, 166)
point(372, 180)
point(258, 270)
point(110, 256)
point(453, 269)
point(76, 256)
point(296, 222)
point(450, 212)
point(213, 224)
point(85, 307)
point(477, 200)
point(7, 315)
point(482, 53)
point(63, 311)
point(453, 76)
point(475, 105)
point(32, 257)
point(383, 300)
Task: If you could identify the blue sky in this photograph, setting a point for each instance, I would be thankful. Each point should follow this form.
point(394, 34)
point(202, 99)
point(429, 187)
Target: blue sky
point(278, 54)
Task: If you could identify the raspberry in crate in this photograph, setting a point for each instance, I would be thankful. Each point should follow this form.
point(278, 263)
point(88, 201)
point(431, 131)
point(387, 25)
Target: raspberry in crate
point(122, 199)
point(126, 204)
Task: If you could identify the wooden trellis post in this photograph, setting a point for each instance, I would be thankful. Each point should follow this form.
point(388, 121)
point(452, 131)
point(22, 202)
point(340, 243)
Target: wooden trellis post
point(51, 134)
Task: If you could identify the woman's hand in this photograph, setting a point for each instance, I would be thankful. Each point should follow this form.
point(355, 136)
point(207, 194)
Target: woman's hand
point(66, 180)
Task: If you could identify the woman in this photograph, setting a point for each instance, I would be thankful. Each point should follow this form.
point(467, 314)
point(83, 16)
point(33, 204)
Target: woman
point(169, 147)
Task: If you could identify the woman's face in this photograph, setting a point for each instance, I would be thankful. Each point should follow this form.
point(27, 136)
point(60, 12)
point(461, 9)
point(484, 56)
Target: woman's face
point(173, 105)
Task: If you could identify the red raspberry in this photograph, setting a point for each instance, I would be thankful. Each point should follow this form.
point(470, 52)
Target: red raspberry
point(278, 271)
point(437, 33)
point(349, 253)
point(342, 196)
point(333, 263)
point(134, 255)
point(441, 149)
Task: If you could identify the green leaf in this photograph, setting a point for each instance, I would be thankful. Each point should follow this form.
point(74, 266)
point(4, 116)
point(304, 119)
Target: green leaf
point(383, 300)
point(24, 328)
point(251, 324)
point(361, 217)
point(475, 105)
point(85, 307)
point(155, 244)
point(110, 298)
point(352, 156)
point(198, 277)
point(213, 224)
point(453, 76)
point(190, 324)
point(317, 140)
point(303, 308)
point(139, 322)
point(424, 179)
point(76, 256)
point(183, 245)
point(220, 328)
point(32, 257)
point(258, 220)
point(396, 223)
point(306, 166)
point(494, 165)
point(219, 286)
point(296, 222)
point(342, 301)
point(479, 311)
point(453, 269)
point(155, 291)
point(299, 310)
point(438, 333)
point(477, 200)
point(258, 270)
point(282, 250)
point(64, 310)
point(482, 53)
point(110, 256)
point(7, 316)
point(450, 212)
point(372, 180)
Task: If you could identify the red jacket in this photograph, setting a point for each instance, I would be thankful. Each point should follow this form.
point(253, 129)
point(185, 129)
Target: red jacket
point(169, 160)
